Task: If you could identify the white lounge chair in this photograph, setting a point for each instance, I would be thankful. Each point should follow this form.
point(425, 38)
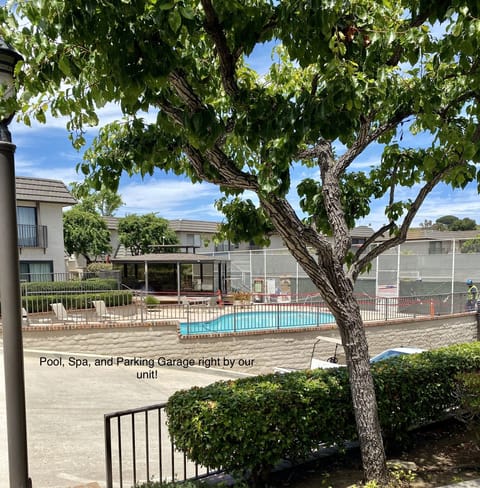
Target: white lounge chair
point(61, 314)
point(102, 311)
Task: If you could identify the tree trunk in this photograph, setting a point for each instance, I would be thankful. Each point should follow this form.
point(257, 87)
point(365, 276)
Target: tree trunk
point(327, 271)
point(352, 331)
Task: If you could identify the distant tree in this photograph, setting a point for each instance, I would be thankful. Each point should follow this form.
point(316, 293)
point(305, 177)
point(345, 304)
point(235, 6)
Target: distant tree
point(447, 220)
point(85, 233)
point(464, 224)
point(427, 224)
point(104, 201)
point(140, 233)
point(471, 246)
point(450, 222)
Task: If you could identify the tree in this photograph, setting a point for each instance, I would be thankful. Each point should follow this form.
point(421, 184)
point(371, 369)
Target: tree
point(344, 76)
point(471, 245)
point(464, 224)
point(141, 233)
point(450, 222)
point(85, 233)
point(447, 221)
point(105, 201)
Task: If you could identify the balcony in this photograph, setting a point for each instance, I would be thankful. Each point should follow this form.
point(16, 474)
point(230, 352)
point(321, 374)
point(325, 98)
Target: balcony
point(32, 236)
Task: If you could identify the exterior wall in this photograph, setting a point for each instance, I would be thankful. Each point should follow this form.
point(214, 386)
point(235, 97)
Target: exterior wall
point(253, 353)
point(50, 215)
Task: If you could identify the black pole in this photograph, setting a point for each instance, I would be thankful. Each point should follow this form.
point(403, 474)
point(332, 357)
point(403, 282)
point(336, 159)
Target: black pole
point(12, 319)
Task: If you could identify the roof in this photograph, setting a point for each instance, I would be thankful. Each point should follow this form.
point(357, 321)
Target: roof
point(43, 190)
point(201, 226)
point(441, 235)
point(174, 257)
point(361, 231)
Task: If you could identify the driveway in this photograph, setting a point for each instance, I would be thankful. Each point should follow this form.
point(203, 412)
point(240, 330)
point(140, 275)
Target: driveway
point(66, 401)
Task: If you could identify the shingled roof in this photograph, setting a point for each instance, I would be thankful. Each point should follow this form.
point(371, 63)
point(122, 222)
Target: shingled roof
point(43, 190)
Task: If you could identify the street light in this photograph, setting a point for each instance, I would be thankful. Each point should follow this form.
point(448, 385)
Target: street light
point(10, 289)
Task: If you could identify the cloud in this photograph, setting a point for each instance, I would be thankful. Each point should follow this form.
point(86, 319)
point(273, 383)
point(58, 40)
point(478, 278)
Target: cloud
point(170, 198)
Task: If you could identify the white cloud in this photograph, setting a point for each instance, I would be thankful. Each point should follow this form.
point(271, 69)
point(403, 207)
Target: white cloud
point(170, 198)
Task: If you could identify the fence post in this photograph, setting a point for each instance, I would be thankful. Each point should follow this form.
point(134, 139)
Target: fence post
point(108, 452)
point(478, 321)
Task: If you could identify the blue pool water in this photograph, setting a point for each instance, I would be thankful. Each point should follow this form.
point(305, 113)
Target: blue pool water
point(247, 321)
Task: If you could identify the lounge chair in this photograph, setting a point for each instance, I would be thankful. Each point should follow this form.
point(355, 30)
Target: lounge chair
point(103, 313)
point(61, 314)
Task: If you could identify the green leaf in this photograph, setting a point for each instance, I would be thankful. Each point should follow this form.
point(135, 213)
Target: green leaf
point(174, 20)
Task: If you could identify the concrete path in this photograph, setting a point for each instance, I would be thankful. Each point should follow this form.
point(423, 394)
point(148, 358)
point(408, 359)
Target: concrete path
point(464, 484)
point(65, 408)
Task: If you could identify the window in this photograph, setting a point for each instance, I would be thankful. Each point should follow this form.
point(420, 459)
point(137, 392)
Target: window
point(27, 226)
point(36, 271)
point(194, 240)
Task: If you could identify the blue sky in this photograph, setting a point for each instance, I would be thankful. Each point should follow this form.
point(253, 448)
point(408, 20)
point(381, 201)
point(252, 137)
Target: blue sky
point(45, 151)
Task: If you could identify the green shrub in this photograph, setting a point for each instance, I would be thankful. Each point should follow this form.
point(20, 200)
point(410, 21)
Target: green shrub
point(74, 285)
point(248, 425)
point(414, 390)
point(468, 391)
point(75, 301)
point(95, 267)
point(186, 484)
point(150, 300)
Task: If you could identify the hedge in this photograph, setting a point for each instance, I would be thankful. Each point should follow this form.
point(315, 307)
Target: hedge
point(250, 424)
point(75, 301)
point(73, 285)
point(75, 294)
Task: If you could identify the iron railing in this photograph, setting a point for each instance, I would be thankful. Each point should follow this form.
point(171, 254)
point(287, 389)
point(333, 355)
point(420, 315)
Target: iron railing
point(203, 314)
point(32, 236)
point(138, 448)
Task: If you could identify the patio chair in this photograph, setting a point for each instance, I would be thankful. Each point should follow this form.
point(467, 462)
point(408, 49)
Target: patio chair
point(61, 314)
point(103, 313)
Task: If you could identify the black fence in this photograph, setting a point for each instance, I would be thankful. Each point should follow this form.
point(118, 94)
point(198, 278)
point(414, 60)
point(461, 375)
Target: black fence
point(138, 449)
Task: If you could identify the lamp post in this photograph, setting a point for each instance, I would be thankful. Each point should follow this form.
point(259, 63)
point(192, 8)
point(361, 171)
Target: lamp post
point(10, 290)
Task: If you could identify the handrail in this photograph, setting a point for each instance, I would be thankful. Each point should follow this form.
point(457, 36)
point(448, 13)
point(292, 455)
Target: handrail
point(143, 433)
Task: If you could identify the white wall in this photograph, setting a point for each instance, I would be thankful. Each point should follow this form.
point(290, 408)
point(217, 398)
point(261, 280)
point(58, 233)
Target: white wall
point(50, 215)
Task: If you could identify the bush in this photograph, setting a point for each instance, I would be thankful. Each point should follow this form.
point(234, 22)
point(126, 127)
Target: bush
point(150, 300)
point(247, 426)
point(468, 391)
point(185, 484)
point(414, 390)
point(96, 267)
point(74, 285)
point(75, 301)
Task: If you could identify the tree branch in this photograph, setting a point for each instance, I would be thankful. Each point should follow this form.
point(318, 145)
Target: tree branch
point(185, 91)
point(227, 59)
point(401, 235)
point(299, 238)
point(366, 137)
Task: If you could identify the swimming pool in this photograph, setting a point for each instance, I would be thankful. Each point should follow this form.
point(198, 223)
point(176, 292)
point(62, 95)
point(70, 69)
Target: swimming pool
point(264, 320)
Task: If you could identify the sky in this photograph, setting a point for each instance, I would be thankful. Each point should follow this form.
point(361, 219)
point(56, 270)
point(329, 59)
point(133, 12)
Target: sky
point(44, 151)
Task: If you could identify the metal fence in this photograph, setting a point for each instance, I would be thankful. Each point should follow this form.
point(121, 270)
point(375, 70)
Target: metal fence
point(138, 449)
point(203, 314)
point(423, 267)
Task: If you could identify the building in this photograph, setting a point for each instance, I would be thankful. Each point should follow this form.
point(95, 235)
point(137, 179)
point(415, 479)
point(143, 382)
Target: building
point(40, 204)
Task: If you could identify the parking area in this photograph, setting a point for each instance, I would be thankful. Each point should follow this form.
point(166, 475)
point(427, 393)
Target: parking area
point(67, 396)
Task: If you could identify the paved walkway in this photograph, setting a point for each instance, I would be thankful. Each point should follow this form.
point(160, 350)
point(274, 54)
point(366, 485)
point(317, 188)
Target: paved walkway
point(464, 484)
point(65, 408)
